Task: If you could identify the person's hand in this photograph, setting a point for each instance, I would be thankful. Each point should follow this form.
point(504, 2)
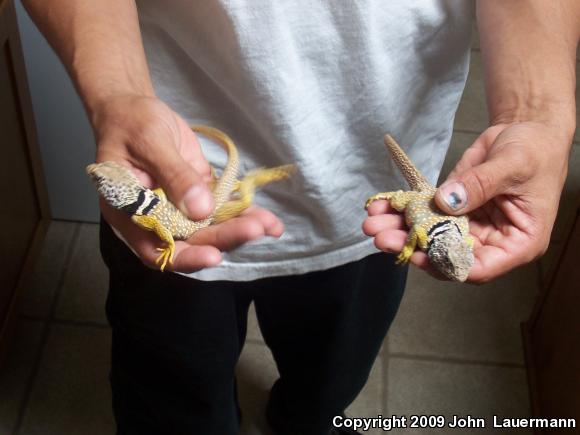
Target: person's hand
point(509, 182)
point(158, 145)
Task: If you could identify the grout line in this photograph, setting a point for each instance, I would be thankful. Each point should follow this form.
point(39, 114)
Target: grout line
point(67, 322)
point(451, 360)
point(73, 221)
point(80, 323)
point(46, 332)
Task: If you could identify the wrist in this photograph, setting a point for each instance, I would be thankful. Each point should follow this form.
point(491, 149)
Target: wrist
point(99, 102)
point(118, 110)
point(557, 116)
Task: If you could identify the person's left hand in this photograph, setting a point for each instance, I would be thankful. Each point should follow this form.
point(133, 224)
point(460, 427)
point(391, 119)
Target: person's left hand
point(509, 182)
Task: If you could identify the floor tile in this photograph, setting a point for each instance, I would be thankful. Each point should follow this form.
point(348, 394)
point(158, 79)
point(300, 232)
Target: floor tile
point(16, 371)
point(37, 298)
point(433, 388)
point(85, 285)
point(472, 112)
point(253, 333)
point(474, 323)
point(570, 198)
point(71, 393)
point(256, 372)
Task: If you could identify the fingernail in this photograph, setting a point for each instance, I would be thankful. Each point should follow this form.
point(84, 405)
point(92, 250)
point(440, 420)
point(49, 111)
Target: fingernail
point(197, 202)
point(454, 194)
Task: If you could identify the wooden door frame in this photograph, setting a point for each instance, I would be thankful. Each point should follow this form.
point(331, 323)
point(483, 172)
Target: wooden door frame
point(10, 41)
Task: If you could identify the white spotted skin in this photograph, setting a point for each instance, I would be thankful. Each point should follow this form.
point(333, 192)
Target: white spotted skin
point(421, 211)
point(176, 222)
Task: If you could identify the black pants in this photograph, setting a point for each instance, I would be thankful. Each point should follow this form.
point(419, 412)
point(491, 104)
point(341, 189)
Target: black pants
point(176, 342)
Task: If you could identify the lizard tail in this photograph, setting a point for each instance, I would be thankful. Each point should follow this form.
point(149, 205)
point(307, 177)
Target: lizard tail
point(415, 179)
point(225, 183)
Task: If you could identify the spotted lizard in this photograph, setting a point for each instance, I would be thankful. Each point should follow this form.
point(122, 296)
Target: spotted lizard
point(152, 211)
point(444, 238)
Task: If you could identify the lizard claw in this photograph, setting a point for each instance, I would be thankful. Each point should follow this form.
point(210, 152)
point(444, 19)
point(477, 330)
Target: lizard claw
point(166, 256)
point(374, 198)
point(401, 260)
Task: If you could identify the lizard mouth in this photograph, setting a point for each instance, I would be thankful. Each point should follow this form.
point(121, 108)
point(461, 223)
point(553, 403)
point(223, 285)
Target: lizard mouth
point(451, 256)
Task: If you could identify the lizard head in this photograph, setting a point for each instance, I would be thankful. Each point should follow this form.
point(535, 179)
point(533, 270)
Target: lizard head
point(119, 187)
point(451, 254)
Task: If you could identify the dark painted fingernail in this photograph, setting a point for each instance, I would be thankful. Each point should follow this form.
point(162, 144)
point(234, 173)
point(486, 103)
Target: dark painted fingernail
point(454, 194)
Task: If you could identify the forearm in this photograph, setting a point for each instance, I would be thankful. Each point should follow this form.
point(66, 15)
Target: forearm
point(99, 42)
point(529, 54)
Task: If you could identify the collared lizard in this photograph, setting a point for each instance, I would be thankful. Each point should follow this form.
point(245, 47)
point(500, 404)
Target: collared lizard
point(444, 238)
point(151, 210)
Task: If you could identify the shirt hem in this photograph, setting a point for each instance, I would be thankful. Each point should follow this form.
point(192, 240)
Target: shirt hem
point(232, 271)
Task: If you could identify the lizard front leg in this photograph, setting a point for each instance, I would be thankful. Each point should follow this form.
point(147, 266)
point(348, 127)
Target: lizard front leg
point(417, 236)
point(398, 199)
point(151, 223)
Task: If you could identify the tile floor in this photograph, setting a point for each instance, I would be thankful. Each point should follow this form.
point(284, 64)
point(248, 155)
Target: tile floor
point(451, 350)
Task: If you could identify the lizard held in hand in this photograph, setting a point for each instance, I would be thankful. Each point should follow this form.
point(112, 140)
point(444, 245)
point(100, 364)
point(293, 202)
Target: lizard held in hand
point(151, 210)
point(444, 238)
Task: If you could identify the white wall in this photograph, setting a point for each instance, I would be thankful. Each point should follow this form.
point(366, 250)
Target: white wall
point(64, 134)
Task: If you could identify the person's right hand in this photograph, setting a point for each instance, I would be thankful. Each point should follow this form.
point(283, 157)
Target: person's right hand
point(144, 134)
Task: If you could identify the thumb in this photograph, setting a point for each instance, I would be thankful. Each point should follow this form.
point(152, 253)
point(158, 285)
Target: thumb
point(472, 188)
point(182, 184)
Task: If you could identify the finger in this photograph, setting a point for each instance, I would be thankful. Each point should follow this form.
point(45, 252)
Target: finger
point(421, 260)
point(375, 224)
point(505, 168)
point(478, 185)
point(391, 240)
point(490, 262)
point(187, 258)
point(477, 152)
point(183, 185)
point(234, 232)
point(273, 226)
point(380, 207)
point(473, 156)
point(191, 150)
point(191, 258)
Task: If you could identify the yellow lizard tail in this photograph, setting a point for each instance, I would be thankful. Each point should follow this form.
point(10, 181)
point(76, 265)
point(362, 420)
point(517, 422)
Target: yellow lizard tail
point(247, 187)
point(415, 179)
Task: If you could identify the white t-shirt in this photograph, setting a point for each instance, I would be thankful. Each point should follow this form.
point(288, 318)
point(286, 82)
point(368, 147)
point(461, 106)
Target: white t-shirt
point(317, 83)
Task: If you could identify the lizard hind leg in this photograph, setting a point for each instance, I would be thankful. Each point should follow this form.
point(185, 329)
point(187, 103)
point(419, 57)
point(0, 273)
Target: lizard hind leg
point(151, 223)
point(246, 188)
